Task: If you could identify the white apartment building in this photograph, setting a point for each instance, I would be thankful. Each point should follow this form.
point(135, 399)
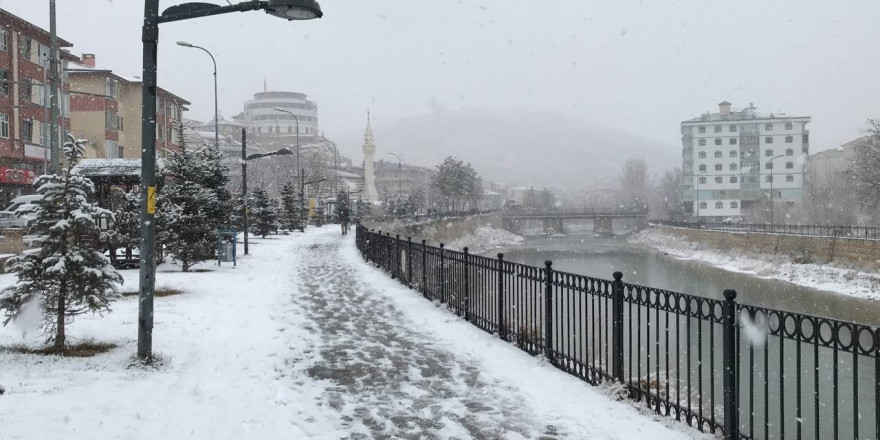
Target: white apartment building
point(735, 158)
point(266, 123)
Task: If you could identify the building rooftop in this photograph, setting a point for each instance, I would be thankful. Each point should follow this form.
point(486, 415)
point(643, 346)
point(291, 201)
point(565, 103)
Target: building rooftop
point(726, 113)
point(111, 167)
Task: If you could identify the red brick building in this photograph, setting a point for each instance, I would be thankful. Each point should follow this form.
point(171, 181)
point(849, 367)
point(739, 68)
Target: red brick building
point(24, 100)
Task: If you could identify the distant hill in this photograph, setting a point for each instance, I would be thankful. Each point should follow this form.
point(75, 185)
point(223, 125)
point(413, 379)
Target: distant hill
point(522, 148)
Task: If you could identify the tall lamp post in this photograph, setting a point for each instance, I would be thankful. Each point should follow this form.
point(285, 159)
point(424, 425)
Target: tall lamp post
point(301, 180)
point(771, 188)
point(216, 112)
point(399, 186)
point(286, 9)
point(244, 159)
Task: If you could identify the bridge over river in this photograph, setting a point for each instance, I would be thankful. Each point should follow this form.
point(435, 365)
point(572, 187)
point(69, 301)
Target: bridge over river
point(553, 220)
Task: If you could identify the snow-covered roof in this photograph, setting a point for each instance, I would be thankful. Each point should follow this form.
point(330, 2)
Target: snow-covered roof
point(347, 174)
point(111, 167)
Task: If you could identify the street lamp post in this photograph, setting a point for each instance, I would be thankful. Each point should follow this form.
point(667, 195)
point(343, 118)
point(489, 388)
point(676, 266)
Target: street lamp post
point(244, 159)
point(287, 9)
point(301, 180)
point(216, 112)
point(771, 188)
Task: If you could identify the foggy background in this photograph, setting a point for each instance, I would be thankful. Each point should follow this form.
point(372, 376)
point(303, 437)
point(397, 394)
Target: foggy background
point(512, 85)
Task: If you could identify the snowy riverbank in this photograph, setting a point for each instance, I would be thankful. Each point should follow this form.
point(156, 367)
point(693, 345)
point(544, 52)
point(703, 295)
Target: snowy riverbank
point(484, 239)
point(778, 267)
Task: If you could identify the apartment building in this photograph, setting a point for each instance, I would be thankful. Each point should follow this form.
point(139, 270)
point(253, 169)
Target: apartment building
point(24, 103)
point(106, 110)
point(735, 162)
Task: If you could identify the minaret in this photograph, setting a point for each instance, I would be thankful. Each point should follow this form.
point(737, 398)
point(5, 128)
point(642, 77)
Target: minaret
point(370, 192)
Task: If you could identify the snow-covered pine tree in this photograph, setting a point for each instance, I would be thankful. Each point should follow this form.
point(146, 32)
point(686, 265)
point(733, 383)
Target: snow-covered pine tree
point(291, 214)
point(124, 232)
point(265, 217)
point(320, 207)
point(67, 276)
point(215, 178)
point(187, 207)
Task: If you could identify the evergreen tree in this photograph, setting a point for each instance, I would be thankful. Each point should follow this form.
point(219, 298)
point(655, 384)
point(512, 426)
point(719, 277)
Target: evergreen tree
point(265, 217)
point(67, 276)
point(214, 176)
point(125, 229)
point(320, 208)
point(291, 210)
point(186, 209)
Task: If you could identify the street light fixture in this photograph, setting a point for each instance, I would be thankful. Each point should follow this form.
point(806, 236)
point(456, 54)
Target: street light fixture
point(216, 112)
point(288, 9)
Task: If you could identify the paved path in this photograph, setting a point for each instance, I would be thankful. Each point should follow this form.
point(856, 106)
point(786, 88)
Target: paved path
point(387, 373)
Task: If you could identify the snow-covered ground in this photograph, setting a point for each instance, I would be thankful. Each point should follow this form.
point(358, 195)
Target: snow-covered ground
point(779, 267)
point(484, 239)
point(301, 340)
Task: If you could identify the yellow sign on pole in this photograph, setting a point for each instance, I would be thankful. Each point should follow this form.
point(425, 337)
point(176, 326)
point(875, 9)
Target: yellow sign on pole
point(312, 204)
point(151, 200)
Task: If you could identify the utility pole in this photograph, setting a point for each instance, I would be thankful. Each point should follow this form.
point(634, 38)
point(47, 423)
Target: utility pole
point(53, 87)
point(244, 185)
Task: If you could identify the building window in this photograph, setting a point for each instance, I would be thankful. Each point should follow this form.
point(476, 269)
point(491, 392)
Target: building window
point(701, 142)
point(4, 82)
point(27, 130)
point(732, 129)
point(789, 178)
point(789, 165)
point(717, 129)
point(290, 129)
point(717, 141)
point(789, 152)
point(4, 126)
point(702, 180)
point(768, 127)
point(110, 120)
point(733, 167)
point(718, 167)
point(719, 205)
point(718, 155)
point(112, 88)
point(788, 126)
point(732, 153)
point(24, 46)
point(702, 167)
point(734, 204)
point(789, 139)
point(805, 149)
point(732, 141)
point(703, 205)
point(768, 152)
point(768, 178)
point(27, 89)
point(733, 179)
point(120, 124)
point(702, 155)
point(701, 129)
point(719, 180)
point(752, 153)
point(768, 140)
point(805, 139)
point(3, 40)
point(768, 165)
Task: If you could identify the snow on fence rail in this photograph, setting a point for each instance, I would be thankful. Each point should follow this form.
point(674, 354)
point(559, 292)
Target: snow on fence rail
point(854, 232)
point(714, 364)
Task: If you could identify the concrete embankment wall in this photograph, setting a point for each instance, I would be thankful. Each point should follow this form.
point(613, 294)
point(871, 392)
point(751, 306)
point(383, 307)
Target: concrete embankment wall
point(440, 231)
point(857, 254)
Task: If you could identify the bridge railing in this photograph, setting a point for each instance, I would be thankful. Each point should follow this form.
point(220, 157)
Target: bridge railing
point(743, 371)
point(854, 232)
point(598, 212)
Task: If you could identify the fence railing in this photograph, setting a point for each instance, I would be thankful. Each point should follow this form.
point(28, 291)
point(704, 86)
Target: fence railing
point(720, 366)
point(855, 232)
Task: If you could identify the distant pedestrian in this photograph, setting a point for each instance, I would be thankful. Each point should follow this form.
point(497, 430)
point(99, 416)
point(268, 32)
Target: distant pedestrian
point(344, 214)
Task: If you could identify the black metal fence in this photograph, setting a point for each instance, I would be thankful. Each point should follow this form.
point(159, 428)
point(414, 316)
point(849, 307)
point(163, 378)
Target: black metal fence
point(857, 232)
point(720, 366)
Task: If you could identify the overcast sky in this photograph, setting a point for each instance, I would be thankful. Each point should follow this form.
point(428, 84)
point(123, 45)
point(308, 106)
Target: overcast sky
point(637, 66)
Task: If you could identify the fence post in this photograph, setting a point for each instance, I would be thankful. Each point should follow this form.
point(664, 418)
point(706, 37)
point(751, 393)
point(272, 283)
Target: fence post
point(424, 269)
point(728, 322)
point(379, 259)
point(409, 260)
point(388, 267)
point(548, 310)
point(617, 325)
point(442, 274)
point(395, 273)
point(467, 285)
point(502, 331)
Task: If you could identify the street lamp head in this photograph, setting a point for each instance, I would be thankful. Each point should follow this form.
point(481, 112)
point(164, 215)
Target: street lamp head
point(184, 44)
point(279, 109)
point(254, 156)
point(284, 151)
point(294, 9)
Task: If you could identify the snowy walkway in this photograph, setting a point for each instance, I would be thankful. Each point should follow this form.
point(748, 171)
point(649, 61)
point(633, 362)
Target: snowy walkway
point(396, 366)
point(303, 340)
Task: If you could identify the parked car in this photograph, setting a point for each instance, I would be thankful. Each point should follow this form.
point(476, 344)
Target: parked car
point(8, 219)
point(733, 220)
point(23, 207)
